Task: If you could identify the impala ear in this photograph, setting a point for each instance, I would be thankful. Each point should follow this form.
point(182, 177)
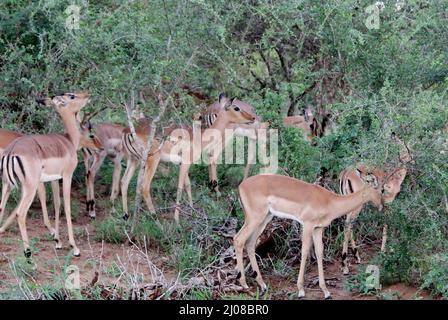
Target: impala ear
point(228, 104)
point(370, 179)
point(221, 97)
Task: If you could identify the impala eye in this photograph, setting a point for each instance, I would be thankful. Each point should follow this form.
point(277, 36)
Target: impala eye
point(92, 136)
point(236, 109)
point(72, 97)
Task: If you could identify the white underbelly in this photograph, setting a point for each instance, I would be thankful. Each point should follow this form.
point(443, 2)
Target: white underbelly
point(49, 177)
point(173, 158)
point(285, 215)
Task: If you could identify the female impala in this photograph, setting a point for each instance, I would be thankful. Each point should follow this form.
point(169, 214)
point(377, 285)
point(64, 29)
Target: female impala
point(30, 160)
point(265, 196)
point(351, 180)
point(87, 140)
point(230, 113)
point(243, 130)
point(109, 135)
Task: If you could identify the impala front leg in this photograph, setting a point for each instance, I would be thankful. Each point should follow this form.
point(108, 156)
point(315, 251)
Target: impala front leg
point(306, 244)
point(57, 211)
point(384, 240)
point(319, 249)
point(66, 187)
point(183, 171)
point(213, 178)
point(43, 203)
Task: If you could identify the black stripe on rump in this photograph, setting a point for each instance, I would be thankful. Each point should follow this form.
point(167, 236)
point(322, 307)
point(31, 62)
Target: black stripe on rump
point(19, 161)
point(8, 170)
point(350, 186)
point(132, 147)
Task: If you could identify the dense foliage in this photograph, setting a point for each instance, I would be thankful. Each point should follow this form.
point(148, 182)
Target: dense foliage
point(279, 56)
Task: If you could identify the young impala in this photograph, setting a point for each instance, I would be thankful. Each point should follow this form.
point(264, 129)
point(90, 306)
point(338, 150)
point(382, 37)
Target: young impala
point(265, 196)
point(109, 135)
point(30, 160)
point(242, 130)
point(167, 151)
point(87, 140)
point(351, 180)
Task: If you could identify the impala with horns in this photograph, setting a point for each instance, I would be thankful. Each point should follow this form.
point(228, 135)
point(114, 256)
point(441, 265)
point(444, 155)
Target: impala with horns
point(266, 196)
point(109, 135)
point(30, 160)
point(351, 180)
point(242, 130)
point(179, 140)
point(87, 140)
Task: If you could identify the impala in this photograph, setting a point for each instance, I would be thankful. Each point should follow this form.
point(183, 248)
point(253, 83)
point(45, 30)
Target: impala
point(109, 135)
point(265, 196)
point(87, 140)
point(167, 151)
point(351, 180)
point(30, 160)
point(241, 130)
point(309, 124)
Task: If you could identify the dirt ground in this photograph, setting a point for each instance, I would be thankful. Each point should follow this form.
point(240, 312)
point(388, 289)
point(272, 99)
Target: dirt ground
point(96, 257)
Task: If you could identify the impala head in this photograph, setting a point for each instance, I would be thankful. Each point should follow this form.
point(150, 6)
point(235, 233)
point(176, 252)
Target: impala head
point(88, 138)
point(68, 103)
point(392, 186)
point(308, 113)
point(373, 188)
point(237, 111)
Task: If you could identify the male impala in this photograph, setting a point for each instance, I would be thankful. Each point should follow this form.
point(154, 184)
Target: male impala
point(109, 135)
point(351, 180)
point(265, 196)
point(242, 130)
point(167, 151)
point(30, 160)
point(87, 140)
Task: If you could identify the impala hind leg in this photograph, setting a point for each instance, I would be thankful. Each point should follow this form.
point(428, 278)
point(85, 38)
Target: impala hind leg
point(251, 246)
point(28, 194)
point(319, 250)
point(128, 174)
point(116, 179)
point(306, 244)
point(151, 167)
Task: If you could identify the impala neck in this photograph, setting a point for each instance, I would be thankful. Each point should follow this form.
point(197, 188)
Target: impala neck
point(221, 122)
point(71, 129)
point(341, 205)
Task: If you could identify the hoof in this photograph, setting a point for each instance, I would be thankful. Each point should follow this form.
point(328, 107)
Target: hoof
point(92, 215)
point(58, 245)
point(125, 217)
point(329, 297)
point(27, 253)
point(76, 253)
point(301, 294)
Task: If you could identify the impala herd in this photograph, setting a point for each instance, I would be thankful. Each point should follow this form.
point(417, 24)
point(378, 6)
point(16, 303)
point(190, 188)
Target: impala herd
point(29, 161)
